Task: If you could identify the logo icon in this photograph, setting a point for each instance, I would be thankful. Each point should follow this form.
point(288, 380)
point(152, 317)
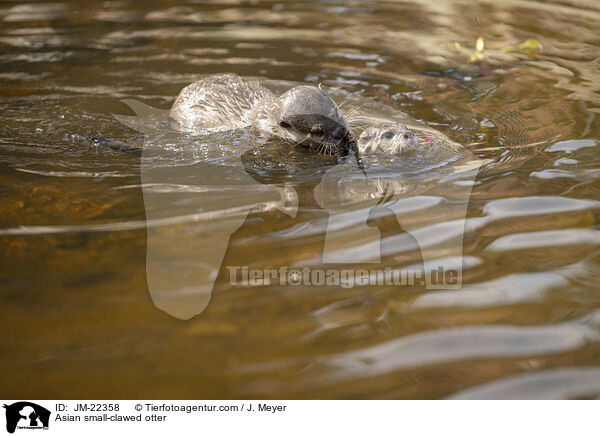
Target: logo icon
point(26, 415)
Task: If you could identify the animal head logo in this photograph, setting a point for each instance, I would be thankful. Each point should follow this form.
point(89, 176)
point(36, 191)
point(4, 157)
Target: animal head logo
point(26, 415)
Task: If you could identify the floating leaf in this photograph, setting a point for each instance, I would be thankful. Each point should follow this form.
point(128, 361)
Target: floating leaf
point(474, 56)
point(479, 44)
point(477, 56)
point(531, 47)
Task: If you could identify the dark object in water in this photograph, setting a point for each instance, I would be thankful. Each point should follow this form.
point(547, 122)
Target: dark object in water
point(124, 148)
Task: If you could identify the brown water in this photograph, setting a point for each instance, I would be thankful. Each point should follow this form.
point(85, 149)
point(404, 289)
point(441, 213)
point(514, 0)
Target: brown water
point(78, 319)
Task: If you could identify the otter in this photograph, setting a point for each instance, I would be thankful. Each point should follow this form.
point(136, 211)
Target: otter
point(303, 115)
point(388, 138)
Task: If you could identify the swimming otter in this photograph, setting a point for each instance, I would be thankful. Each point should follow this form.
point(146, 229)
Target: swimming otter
point(389, 138)
point(304, 115)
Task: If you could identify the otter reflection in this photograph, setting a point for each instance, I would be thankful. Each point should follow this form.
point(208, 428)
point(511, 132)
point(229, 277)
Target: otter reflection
point(277, 239)
point(384, 218)
point(273, 236)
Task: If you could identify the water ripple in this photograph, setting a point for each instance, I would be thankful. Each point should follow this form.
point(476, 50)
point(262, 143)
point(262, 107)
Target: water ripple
point(551, 384)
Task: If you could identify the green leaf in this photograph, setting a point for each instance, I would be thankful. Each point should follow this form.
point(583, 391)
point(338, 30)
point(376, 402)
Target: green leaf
point(531, 47)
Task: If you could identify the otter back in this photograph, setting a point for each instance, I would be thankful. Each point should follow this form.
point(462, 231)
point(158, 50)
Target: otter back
point(220, 102)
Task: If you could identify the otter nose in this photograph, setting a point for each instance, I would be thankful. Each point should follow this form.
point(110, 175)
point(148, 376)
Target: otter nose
point(339, 132)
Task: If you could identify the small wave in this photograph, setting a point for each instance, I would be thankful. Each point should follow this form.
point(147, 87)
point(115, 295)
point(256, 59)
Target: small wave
point(552, 384)
point(550, 238)
point(76, 173)
point(134, 225)
point(511, 289)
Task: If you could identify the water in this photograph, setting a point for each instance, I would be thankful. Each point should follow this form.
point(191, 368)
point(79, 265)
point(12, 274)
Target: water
point(76, 225)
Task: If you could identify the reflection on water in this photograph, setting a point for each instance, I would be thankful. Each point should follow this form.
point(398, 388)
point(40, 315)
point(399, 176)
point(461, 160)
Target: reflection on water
point(75, 222)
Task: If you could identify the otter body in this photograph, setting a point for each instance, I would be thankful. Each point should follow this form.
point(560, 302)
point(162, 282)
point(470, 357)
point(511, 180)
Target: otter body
point(303, 115)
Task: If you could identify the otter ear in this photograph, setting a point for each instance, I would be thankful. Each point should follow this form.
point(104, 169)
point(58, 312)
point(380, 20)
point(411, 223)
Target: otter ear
point(320, 88)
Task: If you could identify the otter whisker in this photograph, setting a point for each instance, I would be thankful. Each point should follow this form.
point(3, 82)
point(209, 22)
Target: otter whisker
point(350, 115)
point(350, 112)
point(355, 107)
point(332, 148)
point(323, 148)
point(300, 142)
point(355, 110)
point(346, 100)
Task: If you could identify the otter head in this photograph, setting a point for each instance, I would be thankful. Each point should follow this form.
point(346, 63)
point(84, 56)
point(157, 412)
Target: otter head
point(387, 138)
point(309, 118)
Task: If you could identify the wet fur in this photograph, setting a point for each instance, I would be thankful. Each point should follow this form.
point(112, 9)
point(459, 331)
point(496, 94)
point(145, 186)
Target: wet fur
point(226, 101)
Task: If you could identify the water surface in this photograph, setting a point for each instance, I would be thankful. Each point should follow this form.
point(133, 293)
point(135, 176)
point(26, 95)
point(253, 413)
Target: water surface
point(78, 318)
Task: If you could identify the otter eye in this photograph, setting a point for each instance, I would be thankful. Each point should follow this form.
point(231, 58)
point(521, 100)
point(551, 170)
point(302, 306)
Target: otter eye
point(389, 134)
point(285, 124)
point(316, 131)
